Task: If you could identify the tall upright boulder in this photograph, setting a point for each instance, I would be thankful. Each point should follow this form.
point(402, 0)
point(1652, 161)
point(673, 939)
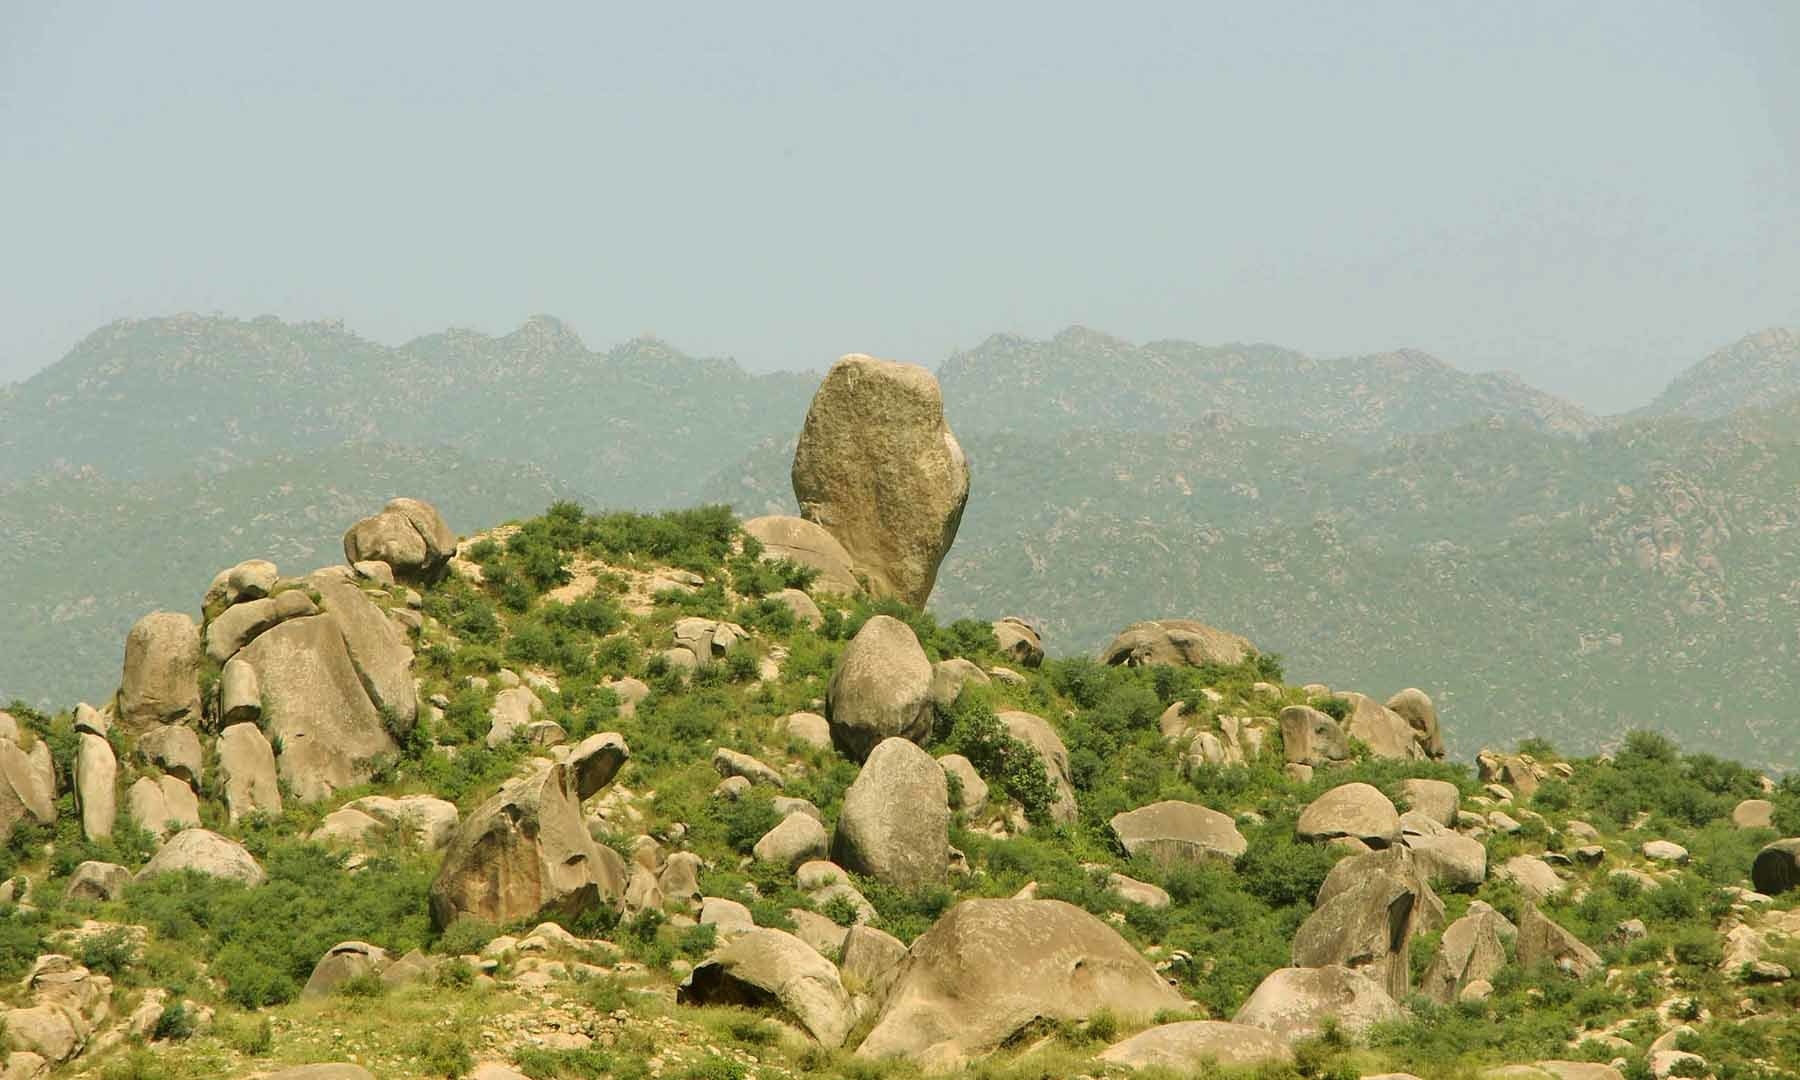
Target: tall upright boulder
point(247, 768)
point(895, 825)
point(160, 683)
point(408, 535)
point(879, 468)
point(881, 689)
point(1369, 909)
point(27, 786)
point(96, 786)
point(1416, 708)
point(526, 851)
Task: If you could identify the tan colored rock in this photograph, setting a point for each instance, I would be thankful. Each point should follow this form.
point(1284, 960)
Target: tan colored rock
point(728, 763)
point(1355, 810)
point(408, 535)
point(96, 786)
point(247, 768)
point(988, 968)
point(1368, 910)
point(1450, 860)
point(680, 877)
point(879, 468)
point(1171, 832)
point(161, 679)
point(1541, 941)
point(1518, 772)
point(1436, 799)
point(380, 651)
point(1036, 732)
point(315, 707)
point(1386, 733)
point(1472, 949)
point(795, 839)
point(53, 1033)
point(807, 543)
point(205, 852)
point(870, 961)
point(759, 965)
point(801, 606)
point(1416, 708)
point(251, 579)
point(1176, 641)
point(524, 852)
point(1754, 814)
point(808, 729)
point(174, 749)
point(1310, 737)
point(595, 761)
point(948, 677)
point(896, 818)
point(969, 791)
point(240, 694)
point(1019, 641)
point(880, 689)
point(27, 786)
point(1532, 875)
point(1295, 1003)
point(332, 1071)
point(163, 805)
point(98, 881)
point(240, 624)
point(1189, 1045)
point(341, 963)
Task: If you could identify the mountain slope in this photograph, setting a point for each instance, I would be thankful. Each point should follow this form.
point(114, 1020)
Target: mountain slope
point(1756, 371)
point(1084, 379)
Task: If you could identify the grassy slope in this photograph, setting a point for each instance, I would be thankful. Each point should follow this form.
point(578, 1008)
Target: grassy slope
point(257, 946)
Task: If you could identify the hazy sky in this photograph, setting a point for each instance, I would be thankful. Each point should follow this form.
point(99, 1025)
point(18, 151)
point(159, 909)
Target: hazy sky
point(1590, 194)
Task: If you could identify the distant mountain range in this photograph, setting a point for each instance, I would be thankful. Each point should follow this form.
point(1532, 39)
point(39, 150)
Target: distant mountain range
point(1387, 518)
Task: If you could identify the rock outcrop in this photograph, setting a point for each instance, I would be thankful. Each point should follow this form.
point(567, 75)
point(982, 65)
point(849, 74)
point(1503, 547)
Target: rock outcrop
point(1473, 948)
point(988, 968)
point(27, 786)
point(1357, 811)
point(1176, 641)
point(1019, 641)
point(1189, 1045)
point(161, 680)
point(1295, 1003)
point(878, 467)
point(1416, 708)
point(96, 786)
point(408, 535)
point(881, 689)
point(1172, 832)
point(247, 767)
point(766, 968)
point(524, 852)
point(807, 543)
point(896, 818)
point(1369, 909)
point(1543, 941)
point(205, 852)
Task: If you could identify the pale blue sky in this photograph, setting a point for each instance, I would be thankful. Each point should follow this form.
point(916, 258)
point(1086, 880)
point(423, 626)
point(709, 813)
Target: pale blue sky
point(1590, 194)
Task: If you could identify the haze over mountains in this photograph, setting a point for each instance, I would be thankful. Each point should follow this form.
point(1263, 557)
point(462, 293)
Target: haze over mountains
point(1382, 521)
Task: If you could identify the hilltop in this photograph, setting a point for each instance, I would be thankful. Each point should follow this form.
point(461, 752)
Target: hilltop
point(619, 795)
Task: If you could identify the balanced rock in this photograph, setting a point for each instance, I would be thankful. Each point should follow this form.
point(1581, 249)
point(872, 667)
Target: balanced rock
point(1182, 642)
point(1436, 799)
point(162, 804)
point(1295, 1003)
point(251, 579)
point(174, 749)
point(988, 968)
point(408, 535)
point(1189, 1045)
point(204, 852)
point(1358, 811)
point(881, 689)
point(807, 543)
point(1172, 832)
point(759, 967)
point(161, 680)
point(879, 468)
point(1415, 707)
point(240, 624)
point(896, 818)
point(1019, 641)
point(524, 852)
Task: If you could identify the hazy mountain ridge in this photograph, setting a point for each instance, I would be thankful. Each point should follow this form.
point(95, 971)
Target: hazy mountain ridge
point(1084, 379)
point(1757, 370)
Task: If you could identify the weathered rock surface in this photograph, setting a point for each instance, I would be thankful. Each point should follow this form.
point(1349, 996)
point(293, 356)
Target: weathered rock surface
point(879, 468)
point(1190, 1044)
point(247, 767)
point(881, 689)
point(98, 881)
point(1368, 910)
point(161, 680)
point(1754, 814)
point(1176, 641)
point(240, 624)
point(1416, 708)
point(1036, 732)
point(341, 963)
point(1386, 732)
point(969, 791)
point(1436, 799)
point(1019, 641)
point(27, 786)
point(174, 749)
point(795, 839)
point(1179, 832)
point(1777, 867)
point(1472, 949)
point(763, 968)
point(523, 852)
point(1534, 877)
point(988, 968)
point(1294, 1003)
point(896, 818)
point(163, 804)
point(1359, 811)
point(408, 535)
point(1310, 737)
point(96, 786)
point(1541, 940)
point(807, 543)
point(205, 852)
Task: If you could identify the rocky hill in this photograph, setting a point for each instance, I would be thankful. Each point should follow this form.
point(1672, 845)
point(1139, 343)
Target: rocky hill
point(1756, 371)
point(633, 796)
point(1341, 512)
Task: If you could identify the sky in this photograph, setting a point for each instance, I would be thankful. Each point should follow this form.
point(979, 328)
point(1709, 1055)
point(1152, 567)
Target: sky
point(1591, 195)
